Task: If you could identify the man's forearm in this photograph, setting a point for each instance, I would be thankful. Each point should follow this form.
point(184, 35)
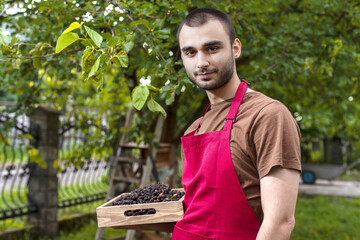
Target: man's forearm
point(272, 230)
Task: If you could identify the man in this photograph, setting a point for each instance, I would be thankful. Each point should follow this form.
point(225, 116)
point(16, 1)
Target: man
point(242, 159)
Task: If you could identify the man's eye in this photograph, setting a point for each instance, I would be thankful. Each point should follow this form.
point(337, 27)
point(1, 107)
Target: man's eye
point(213, 49)
point(189, 53)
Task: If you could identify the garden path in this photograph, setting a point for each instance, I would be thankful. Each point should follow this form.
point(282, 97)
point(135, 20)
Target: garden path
point(332, 187)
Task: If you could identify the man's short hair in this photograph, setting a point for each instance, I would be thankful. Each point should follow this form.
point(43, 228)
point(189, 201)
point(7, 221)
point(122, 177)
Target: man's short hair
point(201, 16)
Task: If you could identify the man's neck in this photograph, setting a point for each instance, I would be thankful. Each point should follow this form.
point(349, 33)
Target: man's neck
point(225, 92)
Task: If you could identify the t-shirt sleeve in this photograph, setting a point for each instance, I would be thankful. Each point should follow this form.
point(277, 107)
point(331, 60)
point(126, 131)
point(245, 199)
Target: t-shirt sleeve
point(276, 139)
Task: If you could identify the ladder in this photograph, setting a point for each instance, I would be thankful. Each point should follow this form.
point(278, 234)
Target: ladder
point(128, 169)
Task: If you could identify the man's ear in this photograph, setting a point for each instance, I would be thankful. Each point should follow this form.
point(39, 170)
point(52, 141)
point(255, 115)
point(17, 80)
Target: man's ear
point(236, 48)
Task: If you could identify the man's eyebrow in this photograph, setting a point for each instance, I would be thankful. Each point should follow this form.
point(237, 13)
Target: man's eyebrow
point(212, 43)
point(207, 44)
point(184, 49)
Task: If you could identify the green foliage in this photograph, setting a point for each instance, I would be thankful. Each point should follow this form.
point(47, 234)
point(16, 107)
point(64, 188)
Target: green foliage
point(34, 156)
point(304, 53)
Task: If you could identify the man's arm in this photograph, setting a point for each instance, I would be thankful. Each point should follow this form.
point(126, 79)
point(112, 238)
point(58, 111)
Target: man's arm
point(279, 191)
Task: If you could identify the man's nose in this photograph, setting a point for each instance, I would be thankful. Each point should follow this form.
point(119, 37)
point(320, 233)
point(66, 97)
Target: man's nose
point(202, 60)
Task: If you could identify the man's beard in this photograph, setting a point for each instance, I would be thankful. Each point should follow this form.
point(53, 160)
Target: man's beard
point(224, 76)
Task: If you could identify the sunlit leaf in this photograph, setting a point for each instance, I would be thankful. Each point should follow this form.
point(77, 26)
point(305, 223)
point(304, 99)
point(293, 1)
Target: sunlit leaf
point(74, 25)
point(156, 107)
point(95, 36)
point(139, 96)
point(65, 40)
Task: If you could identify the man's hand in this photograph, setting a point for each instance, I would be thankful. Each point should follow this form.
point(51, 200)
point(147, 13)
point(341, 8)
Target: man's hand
point(279, 191)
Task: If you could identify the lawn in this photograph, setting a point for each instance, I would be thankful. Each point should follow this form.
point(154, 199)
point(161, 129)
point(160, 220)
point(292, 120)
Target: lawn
point(324, 217)
point(317, 218)
point(13, 154)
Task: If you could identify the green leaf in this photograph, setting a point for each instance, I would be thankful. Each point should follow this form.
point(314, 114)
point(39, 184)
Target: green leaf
point(88, 43)
point(123, 59)
point(95, 36)
point(74, 25)
point(35, 157)
point(37, 62)
point(329, 70)
point(139, 96)
point(16, 63)
point(5, 40)
point(156, 107)
point(143, 22)
point(170, 97)
point(65, 40)
point(28, 136)
point(154, 89)
point(5, 49)
point(165, 31)
point(97, 77)
point(14, 40)
point(114, 41)
point(128, 46)
point(95, 67)
point(181, 7)
point(130, 37)
point(88, 60)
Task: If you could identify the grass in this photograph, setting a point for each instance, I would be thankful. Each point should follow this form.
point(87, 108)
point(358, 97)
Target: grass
point(327, 217)
point(350, 175)
point(14, 199)
point(88, 231)
point(13, 154)
point(317, 218)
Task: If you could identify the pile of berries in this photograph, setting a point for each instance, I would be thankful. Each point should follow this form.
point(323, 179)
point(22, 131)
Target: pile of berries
point(150, 194)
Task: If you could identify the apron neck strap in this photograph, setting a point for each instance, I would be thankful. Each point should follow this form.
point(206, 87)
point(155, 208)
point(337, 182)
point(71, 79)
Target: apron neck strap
point(239, 95)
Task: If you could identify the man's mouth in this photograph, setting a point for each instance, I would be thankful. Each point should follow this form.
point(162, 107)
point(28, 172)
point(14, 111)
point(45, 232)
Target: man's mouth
point(204, 74)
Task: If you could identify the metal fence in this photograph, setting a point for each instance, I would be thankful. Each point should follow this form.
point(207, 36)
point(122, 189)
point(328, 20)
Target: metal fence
point(80, 185)
point(75, 185)
point(15, 169)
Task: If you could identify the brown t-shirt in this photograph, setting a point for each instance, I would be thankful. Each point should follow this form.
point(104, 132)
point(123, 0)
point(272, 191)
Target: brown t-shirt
point(264, 135)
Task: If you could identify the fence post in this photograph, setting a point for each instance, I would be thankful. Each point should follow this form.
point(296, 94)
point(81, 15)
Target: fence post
point(43, 184)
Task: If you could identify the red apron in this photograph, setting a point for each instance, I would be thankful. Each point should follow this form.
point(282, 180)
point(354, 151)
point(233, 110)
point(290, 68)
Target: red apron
point(215, 204)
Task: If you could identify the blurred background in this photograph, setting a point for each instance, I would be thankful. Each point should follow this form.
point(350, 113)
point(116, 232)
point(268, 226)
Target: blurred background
point(86, 87)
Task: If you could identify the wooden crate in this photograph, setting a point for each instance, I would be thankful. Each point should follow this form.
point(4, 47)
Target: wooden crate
point(114, 216)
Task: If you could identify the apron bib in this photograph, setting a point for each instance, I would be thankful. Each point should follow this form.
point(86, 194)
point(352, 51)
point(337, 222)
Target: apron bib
point(215, 205)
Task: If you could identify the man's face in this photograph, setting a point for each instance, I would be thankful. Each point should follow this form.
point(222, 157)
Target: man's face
point(207, 55)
